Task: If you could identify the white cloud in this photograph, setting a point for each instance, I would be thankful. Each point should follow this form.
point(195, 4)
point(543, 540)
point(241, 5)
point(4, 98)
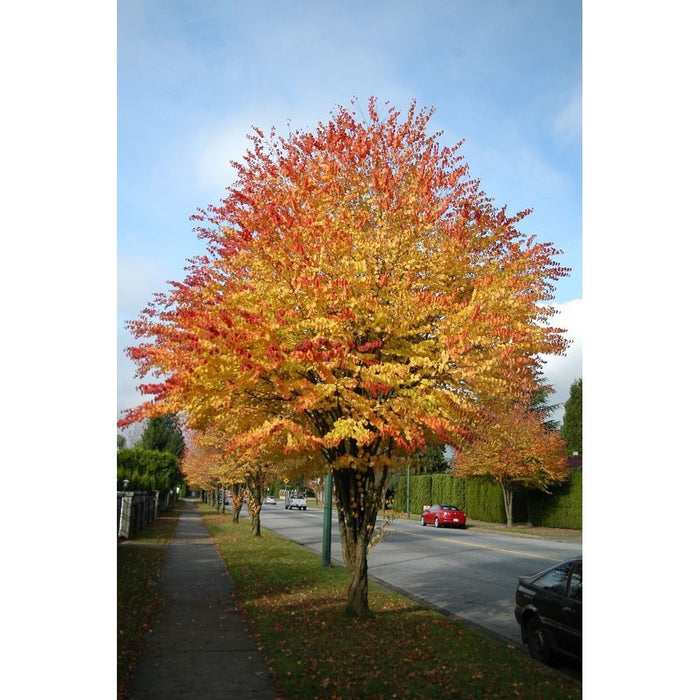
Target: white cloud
point(138, 279)
point(567, 122)
point(562, 371)
point(216, 144)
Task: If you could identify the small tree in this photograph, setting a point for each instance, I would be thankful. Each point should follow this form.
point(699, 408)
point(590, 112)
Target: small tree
point(207, 465)
point(514, 448)
point(258, 475)
point(572, 425)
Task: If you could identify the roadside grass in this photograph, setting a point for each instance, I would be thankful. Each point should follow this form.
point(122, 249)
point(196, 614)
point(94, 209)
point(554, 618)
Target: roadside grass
point(295, 607)
point(139, 563)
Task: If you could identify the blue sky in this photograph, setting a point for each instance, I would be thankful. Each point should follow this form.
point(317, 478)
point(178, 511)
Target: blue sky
point(193, 77)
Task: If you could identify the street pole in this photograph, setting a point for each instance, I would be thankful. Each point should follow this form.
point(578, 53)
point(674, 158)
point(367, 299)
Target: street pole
point(408, 492)
point(327, 504)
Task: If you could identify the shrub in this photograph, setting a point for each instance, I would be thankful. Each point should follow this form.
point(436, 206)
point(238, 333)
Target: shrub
point(147, 470)
point(562, 508)
point(485, 501)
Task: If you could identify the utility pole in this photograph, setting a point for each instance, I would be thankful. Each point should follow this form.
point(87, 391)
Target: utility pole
point(327, 511)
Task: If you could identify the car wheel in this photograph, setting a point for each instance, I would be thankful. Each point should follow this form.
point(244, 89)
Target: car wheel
point(436, 522)
point(538, 642)
point(422, 521)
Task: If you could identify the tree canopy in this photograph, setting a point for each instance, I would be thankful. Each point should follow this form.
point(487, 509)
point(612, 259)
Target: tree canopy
point(431, 459)
point(163, 433)
point(361, 298)
point(514, 448)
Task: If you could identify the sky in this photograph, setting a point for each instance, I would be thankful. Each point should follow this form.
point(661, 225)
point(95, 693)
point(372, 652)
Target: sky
point(194, 77)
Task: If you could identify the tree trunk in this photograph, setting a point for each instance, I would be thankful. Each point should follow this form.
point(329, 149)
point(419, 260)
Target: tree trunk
point(236, 502)
point(254, 501)
point(357, 500)
point(507, 489)
point(254, 512)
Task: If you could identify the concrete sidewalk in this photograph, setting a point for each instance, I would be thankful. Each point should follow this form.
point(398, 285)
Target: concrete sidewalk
point(198, 646)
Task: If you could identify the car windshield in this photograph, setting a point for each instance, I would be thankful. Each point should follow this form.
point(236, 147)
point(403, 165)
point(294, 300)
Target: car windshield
point(449, 507)
point(555, 580)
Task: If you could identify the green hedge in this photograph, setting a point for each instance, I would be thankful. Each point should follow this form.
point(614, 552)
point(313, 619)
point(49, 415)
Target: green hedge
point(147, 470)
point(485, 501)
point(481, 499)
point(563, 508)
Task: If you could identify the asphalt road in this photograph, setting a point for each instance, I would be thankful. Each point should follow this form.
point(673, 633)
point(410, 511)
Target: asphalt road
point(470, 574)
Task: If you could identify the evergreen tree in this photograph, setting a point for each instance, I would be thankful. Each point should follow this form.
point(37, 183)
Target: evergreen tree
point(163, 433)
point(538, 404)
point(430, 460)
point(572, 426)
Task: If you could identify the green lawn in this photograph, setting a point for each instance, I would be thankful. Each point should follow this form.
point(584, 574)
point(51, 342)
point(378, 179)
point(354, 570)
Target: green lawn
point(295, 607)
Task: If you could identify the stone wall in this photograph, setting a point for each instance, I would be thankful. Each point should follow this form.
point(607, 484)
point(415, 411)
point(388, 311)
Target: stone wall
point(136, 509)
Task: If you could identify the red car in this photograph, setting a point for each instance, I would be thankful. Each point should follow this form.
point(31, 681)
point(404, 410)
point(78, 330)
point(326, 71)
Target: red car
point(441, 515)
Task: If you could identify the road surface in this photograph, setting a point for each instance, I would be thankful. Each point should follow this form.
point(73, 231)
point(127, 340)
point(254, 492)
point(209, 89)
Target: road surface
point(470, 574)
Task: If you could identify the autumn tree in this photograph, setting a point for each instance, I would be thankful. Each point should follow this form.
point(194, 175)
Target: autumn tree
point(208, 466)
point(514, 448)
point(360, 298)
point(258, 476)
point(197, 467)
point(572, 425)
point(264, 457)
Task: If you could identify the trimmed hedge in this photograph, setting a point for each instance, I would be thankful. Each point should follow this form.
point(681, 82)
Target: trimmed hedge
point(481, 499)
point(484, 501)
point(147, 470)
point(563, 508)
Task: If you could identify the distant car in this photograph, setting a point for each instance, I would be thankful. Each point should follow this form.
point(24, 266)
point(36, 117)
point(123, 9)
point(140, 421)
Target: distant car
point(295, 500)
point(443, 515)
point(548, 608)
point(270, 500)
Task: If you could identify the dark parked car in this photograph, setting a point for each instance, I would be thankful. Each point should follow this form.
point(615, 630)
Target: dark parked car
point(548, 610)
point(442, 515)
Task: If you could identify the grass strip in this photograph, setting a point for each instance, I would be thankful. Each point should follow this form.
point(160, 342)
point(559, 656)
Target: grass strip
point(296, 609)
point(139, 562)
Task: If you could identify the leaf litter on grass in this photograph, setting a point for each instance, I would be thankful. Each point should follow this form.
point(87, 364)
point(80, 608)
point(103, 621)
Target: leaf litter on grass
point(401, 650)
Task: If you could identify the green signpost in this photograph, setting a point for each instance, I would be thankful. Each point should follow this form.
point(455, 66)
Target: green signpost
point(327, 510)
